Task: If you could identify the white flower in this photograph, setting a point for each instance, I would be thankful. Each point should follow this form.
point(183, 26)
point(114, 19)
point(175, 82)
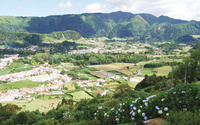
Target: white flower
point(162, 99)
point(139, 110)
point(167, 114)
point(160, 112)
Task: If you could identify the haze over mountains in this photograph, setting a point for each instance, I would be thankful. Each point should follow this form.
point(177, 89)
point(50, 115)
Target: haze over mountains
point(145, 27)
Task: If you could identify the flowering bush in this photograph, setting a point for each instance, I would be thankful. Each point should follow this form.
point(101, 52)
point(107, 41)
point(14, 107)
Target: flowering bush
point(182, 97)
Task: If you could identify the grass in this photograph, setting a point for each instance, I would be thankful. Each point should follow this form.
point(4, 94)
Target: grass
point(6, 71)
point(163, 71)
point(18, 85)
point(118, 67)
point(198, 82)
point(132, 84)
point(97, 74)
point(91, 77)
point(160, 71)
point(70, 86)
point(41, 105)
point(80, 95)
point(18, 69)
point(148, 71)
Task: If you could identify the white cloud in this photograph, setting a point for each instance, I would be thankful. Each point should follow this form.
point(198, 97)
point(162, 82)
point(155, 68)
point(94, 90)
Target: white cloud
point(94, 7)
point(66, 4)
point(180, 9)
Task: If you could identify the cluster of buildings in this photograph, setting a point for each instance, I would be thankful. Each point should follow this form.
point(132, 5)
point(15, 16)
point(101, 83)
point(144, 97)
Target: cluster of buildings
point(98, 50)
point(25, 93)
point(108, 74)
point(90, 83)
point(34, 75)
point(8, 59)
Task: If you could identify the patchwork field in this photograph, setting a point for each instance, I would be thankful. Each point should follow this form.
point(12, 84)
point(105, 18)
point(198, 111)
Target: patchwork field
point(19, 84)
point(80, 95)
point(163, 71)
point(41, 105)
point(119, 67)
point(18, 69)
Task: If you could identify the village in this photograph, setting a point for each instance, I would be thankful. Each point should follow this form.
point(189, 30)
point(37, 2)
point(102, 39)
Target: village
point(43, 74)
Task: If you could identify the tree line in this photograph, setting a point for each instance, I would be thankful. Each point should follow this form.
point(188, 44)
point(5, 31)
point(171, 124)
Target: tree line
point(85, 59)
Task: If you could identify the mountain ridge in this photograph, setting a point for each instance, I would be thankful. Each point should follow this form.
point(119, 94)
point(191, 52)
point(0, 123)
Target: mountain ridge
point(146, 27)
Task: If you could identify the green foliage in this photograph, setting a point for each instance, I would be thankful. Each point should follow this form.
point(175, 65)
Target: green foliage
point(189, 70)
point(143, 27)
point(159, 64)
point(152, 83)
point(183, 118)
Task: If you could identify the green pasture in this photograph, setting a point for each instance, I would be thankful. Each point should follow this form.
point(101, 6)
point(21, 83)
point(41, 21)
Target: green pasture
point(41, 105)
point(121, 68)
point(87, 75)
point(6, 71)
point(70, 86)
point(148, 71)
point(132, 84)
point(18, 85)
point(80, 95)
point(97, 74)
point(163, 71)
point(15, 68)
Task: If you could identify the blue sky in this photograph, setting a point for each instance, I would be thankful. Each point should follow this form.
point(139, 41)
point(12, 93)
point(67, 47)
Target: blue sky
point(180, 9)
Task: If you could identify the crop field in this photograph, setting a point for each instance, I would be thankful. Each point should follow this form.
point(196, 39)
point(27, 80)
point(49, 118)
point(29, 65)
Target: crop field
point(87, 75)
point(148, 71)
point(41, 105)
point(132, 84)
point(6, 71)
point(119, 67)
point(97, 74)
point(18, 69)
point(80, 95)
point(18, 85)
point(70, 86)
point(163, 71)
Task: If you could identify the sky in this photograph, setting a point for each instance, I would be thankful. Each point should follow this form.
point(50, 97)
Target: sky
point(178, 9)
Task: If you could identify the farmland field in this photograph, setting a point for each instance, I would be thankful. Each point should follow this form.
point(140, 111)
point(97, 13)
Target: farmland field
point(119, 67)
point(18, 69)
point(80, 95)
point(41, 105)
point(18, 85)
point(148, 71)
point(163, 71)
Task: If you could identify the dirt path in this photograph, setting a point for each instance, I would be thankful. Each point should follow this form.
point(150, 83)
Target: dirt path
point(136, 78)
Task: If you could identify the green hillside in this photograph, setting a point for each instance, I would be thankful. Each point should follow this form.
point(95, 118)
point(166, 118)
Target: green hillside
point(144, 27)
point(24, 39)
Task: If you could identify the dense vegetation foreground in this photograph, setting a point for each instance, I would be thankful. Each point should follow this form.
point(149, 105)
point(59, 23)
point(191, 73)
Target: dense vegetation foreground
point(179, 105)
